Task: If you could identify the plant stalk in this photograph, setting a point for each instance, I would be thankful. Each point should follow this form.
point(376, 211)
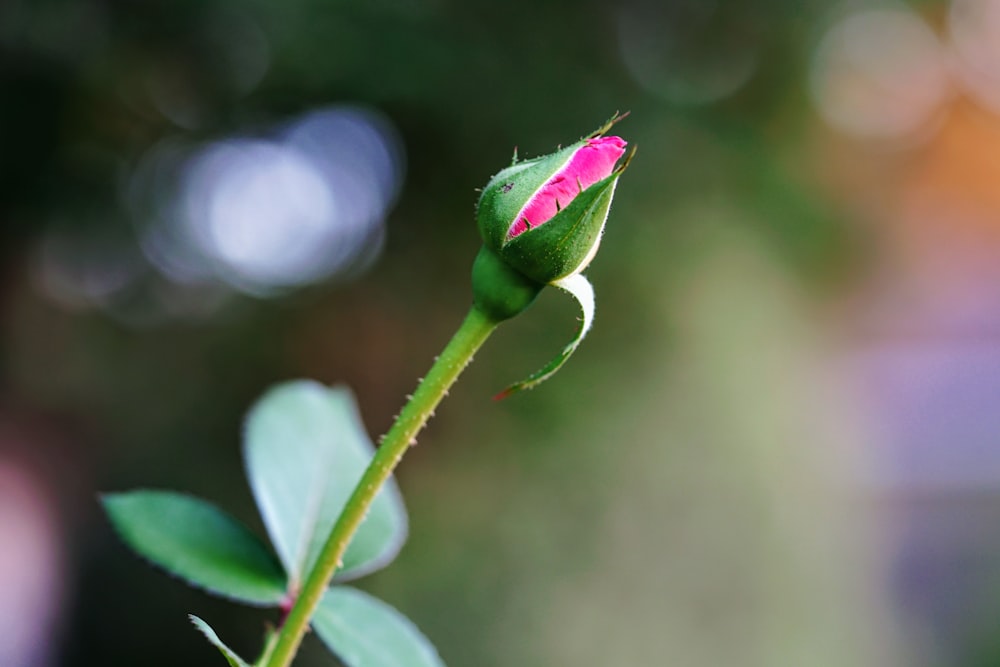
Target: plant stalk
point(471, 334)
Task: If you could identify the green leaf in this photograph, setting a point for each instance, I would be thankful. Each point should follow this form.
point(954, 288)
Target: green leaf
point(233, 659)
point(198, 542)
point(363, 631)
point(305, 449)
point(581, 290)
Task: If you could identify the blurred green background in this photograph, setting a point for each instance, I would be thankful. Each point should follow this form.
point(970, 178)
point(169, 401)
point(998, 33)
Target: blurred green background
point(779, 446)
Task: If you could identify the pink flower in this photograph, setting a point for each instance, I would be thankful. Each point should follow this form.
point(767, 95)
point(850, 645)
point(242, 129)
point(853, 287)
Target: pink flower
point(592, 162)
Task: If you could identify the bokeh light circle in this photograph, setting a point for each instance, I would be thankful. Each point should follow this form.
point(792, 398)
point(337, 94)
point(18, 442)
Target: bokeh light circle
point(879, 73)
point(269, 213)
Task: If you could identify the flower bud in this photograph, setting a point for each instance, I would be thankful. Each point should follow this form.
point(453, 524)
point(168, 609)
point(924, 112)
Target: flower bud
point(544, 217)
point(541, 221)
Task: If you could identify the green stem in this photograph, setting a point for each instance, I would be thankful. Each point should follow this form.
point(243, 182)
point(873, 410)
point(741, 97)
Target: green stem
point(472, 333)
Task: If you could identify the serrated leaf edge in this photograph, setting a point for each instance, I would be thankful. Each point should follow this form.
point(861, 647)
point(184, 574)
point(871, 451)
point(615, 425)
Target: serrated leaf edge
point(174, 575)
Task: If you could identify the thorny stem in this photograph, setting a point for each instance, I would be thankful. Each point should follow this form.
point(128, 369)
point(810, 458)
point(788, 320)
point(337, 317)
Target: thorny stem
point(472, 333)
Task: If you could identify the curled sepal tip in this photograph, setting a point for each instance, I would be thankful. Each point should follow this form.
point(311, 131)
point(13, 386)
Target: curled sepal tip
point(581, 290)
point(608, 124)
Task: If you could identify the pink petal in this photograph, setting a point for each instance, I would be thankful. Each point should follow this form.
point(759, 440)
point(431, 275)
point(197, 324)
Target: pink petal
point(593, 162)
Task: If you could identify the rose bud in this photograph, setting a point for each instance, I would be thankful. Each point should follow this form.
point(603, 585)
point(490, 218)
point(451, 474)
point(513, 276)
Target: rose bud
point(544, 217)
point(541, 221)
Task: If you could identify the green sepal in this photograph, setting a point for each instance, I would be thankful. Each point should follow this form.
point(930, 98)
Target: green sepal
point(511, 188)
point(565, 243)
point(498, 291)
point(580, 289)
